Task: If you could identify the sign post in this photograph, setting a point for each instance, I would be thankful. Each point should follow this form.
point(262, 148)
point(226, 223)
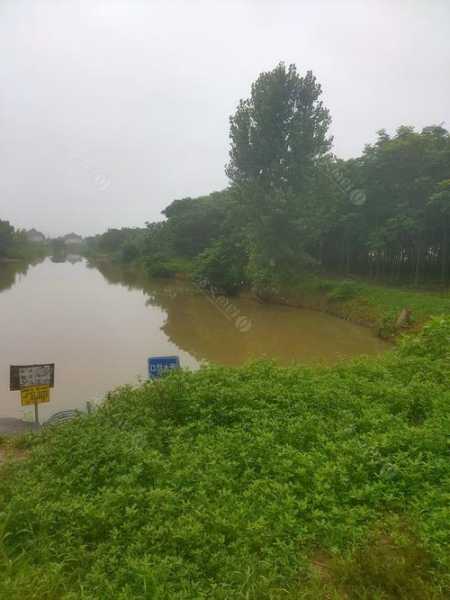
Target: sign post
point(36, 395)
point(34, 383)
point(159, 365)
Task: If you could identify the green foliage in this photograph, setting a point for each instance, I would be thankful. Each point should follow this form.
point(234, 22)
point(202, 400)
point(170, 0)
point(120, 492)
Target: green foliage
point(231, 483)
point(345, 290)
point(401, 229)
point(130, 251)
point(157, 266)
point(222, 267)
point(6, 237)
point(23, 441)
point(374, 305)
point(434, 337)
point(277, 136)
point(194, 223)
point(278, 131)
point(160, 267)
point(111, 240)
point(392, 565)
point(123, 245)
point(296, 208)
point(14, 244)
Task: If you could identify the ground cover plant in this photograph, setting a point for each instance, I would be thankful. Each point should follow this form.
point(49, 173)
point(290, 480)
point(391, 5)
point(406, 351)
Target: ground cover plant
point(371, 304)
point(257, 482)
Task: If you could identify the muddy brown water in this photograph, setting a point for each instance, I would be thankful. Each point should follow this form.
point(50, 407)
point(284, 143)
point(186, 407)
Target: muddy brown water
point(99, 324)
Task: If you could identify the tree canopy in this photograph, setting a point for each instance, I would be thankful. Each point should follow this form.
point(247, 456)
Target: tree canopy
point(279, 131)
point(293, 206)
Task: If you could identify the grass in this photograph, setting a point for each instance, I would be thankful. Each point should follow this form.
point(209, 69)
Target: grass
point(370, 304)
point(374, 305)
point(255, 483)
point(14, 447)
point(169, 268)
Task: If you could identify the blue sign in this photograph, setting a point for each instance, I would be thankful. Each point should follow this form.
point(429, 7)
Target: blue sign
point(158, 365)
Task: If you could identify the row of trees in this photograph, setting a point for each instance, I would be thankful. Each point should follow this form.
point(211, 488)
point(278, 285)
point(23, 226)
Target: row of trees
point(402, 229)
point(14, 243)
point(6, 238)
point(30, 244)
point(292, 205)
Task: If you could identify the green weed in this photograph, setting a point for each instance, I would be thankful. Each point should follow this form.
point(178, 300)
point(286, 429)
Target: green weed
point(230, 483)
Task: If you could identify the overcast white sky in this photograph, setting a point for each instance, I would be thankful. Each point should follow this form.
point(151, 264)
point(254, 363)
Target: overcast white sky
point(111, 109)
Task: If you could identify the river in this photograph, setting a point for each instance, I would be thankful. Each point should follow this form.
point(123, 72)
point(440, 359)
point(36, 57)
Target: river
point(99, 324)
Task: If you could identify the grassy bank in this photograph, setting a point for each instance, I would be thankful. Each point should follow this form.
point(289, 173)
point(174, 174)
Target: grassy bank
point(257, 482)
point(26, 252)
point(374, 305)
point(377, 306)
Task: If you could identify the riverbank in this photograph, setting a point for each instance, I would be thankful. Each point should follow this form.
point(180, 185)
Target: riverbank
point(26, 253)
point(389, 310)
point(11, 426)
point(256, 482)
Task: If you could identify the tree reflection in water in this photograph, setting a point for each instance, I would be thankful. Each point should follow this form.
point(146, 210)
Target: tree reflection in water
point(196, 323)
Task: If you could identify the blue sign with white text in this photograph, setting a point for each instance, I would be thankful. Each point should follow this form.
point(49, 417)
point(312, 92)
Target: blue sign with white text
point(158, 365)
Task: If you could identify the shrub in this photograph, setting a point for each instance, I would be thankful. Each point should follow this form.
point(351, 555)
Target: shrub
point(221, 266)
point(433, 340)
point(129, 251)
point(228, 482)
point(160, 266)
point(157, 266)
point(344, 290)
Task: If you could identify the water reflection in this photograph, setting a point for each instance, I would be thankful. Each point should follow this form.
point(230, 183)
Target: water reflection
point(198, 325)
point(99, 324)
point(10, 272)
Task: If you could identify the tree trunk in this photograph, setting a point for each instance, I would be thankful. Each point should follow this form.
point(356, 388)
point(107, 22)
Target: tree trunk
point(419, 256)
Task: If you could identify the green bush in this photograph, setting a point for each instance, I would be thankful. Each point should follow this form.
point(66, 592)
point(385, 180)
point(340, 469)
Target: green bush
point(230, 482)
point(221, 266)
point(434, 338)
point(344, 290)
point(129, 252)
point(159, 267)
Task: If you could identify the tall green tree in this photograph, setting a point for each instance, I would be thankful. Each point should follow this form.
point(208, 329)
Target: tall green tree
point(279, 131)
point(401, 175)
point(277, 136)
point(6, 237)
point(439, 205)
point(194, 223)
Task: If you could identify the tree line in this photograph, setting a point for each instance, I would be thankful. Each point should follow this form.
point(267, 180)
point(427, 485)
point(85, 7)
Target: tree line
point(293, 206)
point(16, 244)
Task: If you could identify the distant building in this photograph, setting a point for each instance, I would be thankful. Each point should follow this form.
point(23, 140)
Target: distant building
point(73, 258)
point(33, 235)
point(72, 239)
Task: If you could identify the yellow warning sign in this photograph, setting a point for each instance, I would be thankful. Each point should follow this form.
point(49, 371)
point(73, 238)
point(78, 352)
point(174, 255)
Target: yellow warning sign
point(36, 394)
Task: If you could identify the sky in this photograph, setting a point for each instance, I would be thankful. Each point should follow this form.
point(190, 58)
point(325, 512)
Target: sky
point(109, 110)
